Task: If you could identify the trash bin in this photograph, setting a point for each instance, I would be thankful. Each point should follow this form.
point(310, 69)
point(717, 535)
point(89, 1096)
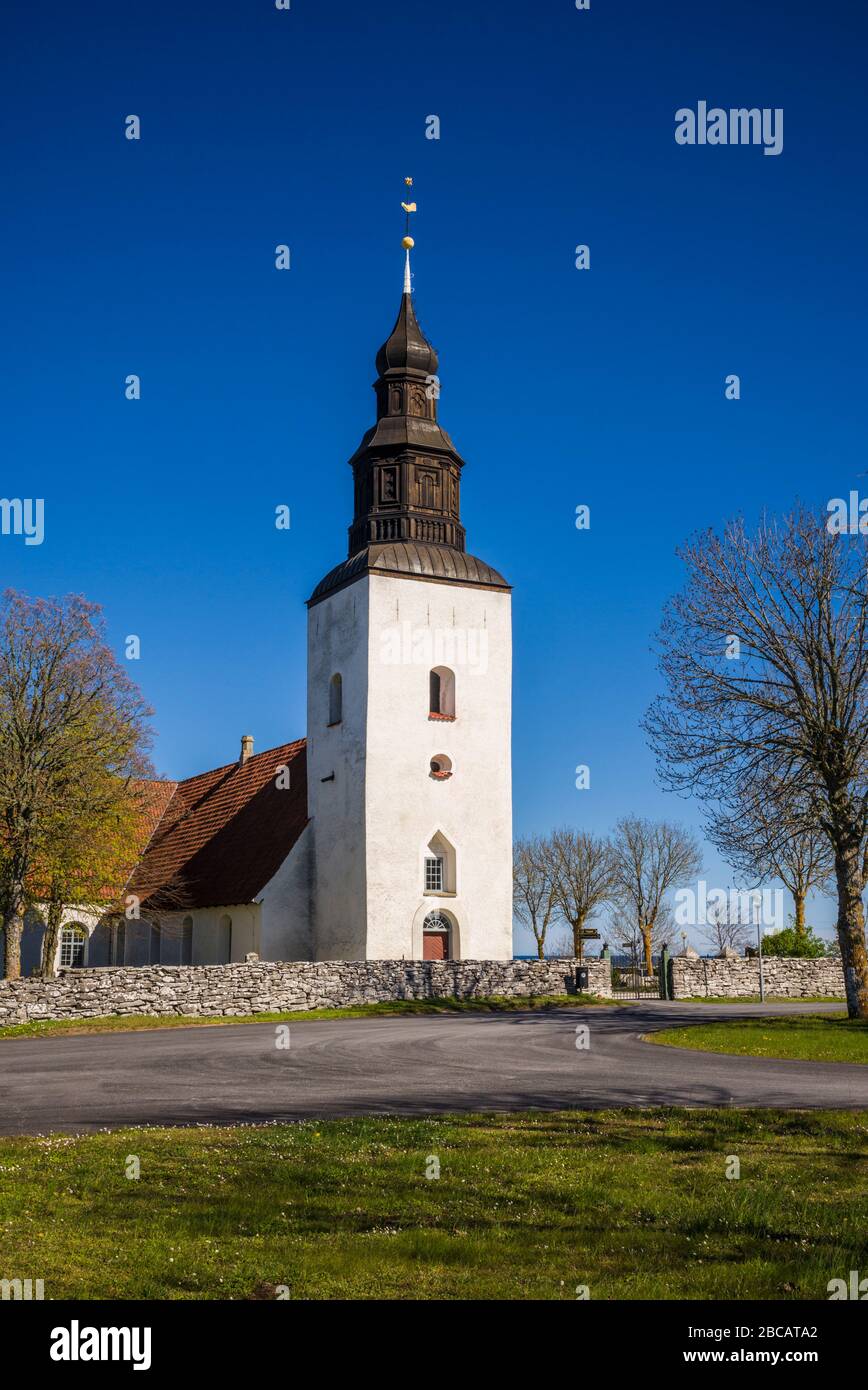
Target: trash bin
point(581, 979)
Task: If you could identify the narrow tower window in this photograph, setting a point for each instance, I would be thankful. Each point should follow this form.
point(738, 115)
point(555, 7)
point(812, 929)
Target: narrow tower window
point(441, 693)
point(336, 700)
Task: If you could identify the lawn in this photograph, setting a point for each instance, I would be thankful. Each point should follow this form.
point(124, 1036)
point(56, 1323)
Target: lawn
point(396, 1008)
point(755, 999)
point(814, 1037)
point(635, 1205)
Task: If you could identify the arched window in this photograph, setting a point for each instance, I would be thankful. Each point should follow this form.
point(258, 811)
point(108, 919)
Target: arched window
point(441, 693)
point(156, 937)
point(187, 941)
point(336, 699)
point(73, 940)
point(441, 767)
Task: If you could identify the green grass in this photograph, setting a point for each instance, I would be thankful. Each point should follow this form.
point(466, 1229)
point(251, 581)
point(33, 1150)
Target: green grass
point(394, 1009)
point(635, 1204)
point(815, 1037)
point(755, 999)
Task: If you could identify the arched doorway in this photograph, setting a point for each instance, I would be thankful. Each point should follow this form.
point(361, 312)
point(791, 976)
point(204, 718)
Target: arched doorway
point(436, 936)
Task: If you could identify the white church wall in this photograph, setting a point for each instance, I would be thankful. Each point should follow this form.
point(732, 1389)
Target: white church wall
point(219, 936)
point(137, 942)
point(224, 934)
point(286, 927)
point(337, 644)
point(414, 626)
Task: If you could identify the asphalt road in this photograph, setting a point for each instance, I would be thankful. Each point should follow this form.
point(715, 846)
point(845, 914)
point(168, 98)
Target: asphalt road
point(398, 1066)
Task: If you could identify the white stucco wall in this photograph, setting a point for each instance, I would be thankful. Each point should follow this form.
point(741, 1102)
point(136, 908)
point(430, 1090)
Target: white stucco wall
point(285, 920)
point(210, 937)
point(373, 824)
point(209, 934)
point(467, 630)
point(338, 643)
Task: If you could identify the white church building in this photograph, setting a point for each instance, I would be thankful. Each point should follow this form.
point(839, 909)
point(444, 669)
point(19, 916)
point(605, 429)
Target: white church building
point(387, 832)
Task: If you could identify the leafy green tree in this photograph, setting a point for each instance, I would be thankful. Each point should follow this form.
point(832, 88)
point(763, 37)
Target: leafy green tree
point(73, 734)
point(92, 842)
point(795, 941)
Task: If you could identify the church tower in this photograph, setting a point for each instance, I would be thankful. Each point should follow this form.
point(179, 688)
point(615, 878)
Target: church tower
point(409, 698)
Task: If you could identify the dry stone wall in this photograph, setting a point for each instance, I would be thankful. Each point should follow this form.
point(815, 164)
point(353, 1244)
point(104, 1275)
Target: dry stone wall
point(785, 977)
point(272, 986)
point(280, 986)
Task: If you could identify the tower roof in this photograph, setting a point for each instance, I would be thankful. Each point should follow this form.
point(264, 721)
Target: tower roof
point(442, 563)
point(406, 349)
point(407, 473)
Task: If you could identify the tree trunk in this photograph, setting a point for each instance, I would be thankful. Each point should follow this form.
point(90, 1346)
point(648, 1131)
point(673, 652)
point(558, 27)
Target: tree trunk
point(646, 941)
point(851, 927)
point(540, 947)
point(13, 927)
point(799, 904)
point(578, 940)
point(51, 940)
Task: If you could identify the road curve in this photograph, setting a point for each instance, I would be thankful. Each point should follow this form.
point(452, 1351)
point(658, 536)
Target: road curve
point(399, 1066)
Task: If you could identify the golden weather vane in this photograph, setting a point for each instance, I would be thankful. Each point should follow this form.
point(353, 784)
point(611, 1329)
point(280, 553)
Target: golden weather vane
point(408, 241)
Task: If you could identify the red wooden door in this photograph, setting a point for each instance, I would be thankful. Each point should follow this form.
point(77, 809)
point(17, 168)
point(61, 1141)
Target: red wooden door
point(435, 945)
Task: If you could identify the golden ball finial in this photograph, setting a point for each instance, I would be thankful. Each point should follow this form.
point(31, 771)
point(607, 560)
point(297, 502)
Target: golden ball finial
point(408, 243)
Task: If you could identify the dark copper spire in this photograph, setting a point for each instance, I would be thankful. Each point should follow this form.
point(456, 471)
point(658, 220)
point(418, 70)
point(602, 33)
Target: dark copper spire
point(406, 347)
point(407, 472)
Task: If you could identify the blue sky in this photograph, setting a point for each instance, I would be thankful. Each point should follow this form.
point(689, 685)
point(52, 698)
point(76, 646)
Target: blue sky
point(560, 387)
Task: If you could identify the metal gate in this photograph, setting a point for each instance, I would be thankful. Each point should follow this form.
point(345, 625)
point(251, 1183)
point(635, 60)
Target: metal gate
point(630, 980)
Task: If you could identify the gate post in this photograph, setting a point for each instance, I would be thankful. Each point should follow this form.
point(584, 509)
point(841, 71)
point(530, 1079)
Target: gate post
point(663, 971)
point(606, 955)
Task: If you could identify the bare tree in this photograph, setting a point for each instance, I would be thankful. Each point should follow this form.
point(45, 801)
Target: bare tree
point(585, 878)
point(771, 836)
point(650, 859)
point(535, 887)
point(624, 932)
point(66, 707)
point(724, 934)
point(765, 658)
point(560, 947)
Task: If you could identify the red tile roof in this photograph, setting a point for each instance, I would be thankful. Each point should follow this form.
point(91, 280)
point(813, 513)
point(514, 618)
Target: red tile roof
point(219, 837)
